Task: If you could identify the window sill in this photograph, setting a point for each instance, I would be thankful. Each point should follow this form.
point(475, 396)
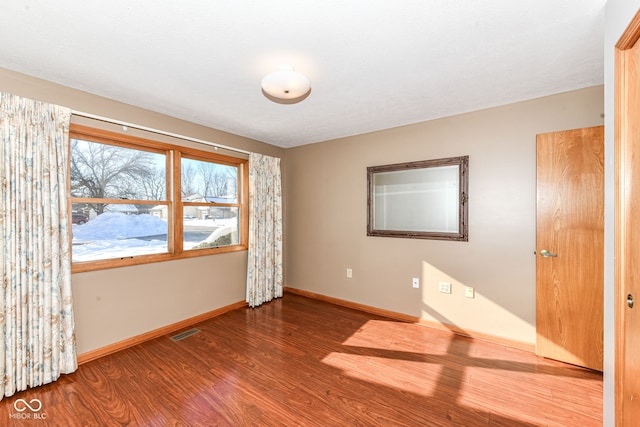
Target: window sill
point(81, 267)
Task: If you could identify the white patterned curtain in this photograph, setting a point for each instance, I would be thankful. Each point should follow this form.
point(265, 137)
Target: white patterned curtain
point(264, 266)
point(37, 339)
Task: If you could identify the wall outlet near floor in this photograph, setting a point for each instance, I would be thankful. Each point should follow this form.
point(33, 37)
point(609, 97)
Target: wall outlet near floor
point(444, 287)
point(416, 282)
point(469, 292)
point(349, 273)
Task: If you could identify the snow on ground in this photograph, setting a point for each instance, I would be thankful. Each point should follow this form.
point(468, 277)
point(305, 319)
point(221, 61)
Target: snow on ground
point(117, 225)
point(117, 235)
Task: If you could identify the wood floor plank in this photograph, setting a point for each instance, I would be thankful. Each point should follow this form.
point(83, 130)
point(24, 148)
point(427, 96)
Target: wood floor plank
point(302, 362)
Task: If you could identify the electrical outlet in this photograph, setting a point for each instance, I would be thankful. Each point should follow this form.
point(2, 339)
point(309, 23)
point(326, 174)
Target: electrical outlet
point(444, 287)
point(468, 292)
point(416, 282)
point(349, 273)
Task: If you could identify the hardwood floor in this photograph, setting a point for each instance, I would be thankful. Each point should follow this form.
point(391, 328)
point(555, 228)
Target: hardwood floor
point(298, 362)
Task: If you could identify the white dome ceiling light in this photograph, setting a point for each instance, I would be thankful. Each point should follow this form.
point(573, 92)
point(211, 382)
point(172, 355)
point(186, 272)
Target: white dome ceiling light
point(286, 86)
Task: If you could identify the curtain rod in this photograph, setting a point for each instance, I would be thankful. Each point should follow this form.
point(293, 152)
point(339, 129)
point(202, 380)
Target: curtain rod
point(158, 131)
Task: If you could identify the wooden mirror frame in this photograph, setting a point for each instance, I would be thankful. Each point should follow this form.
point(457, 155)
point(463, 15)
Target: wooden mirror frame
point(413, 180)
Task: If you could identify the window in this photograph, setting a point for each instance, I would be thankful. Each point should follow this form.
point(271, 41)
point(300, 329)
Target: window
point(210, 209)
point(136, 201)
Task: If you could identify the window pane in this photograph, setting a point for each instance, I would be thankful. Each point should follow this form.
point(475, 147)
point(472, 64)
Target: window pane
point(107, 231)
point(111, 172)
point(209, 180)
point(210, 227)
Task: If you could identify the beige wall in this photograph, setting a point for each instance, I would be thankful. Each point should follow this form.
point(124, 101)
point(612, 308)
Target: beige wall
point(116, 304)
point(326, 211)
point(325, 223)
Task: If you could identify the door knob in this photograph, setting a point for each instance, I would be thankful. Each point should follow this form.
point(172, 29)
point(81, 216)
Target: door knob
point(546, 254)
point(630, 300)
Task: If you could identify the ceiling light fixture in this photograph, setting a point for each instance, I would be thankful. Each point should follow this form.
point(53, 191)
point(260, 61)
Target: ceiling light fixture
point(286, 86)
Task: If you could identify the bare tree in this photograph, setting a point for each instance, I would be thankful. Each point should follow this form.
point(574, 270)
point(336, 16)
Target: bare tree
point(216, 179)
point(187, 179)
point(207, 173)
point(220, 185)
point(232, 180)
point(207, 179)
point(155, 186)
point(107, 171)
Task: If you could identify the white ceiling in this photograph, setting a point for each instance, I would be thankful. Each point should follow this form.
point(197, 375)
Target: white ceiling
point(373, 64)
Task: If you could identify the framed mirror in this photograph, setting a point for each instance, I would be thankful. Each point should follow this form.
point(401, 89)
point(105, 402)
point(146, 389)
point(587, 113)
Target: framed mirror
point(423, 200)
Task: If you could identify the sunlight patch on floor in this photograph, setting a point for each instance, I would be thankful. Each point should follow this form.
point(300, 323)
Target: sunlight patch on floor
point(401, 336)
point(365, 368)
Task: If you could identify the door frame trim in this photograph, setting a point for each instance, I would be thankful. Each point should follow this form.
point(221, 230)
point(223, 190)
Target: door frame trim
point(629, 38)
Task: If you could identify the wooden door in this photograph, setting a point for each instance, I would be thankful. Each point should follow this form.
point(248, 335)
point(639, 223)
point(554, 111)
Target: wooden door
point(627, 227)
point(570, 246)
